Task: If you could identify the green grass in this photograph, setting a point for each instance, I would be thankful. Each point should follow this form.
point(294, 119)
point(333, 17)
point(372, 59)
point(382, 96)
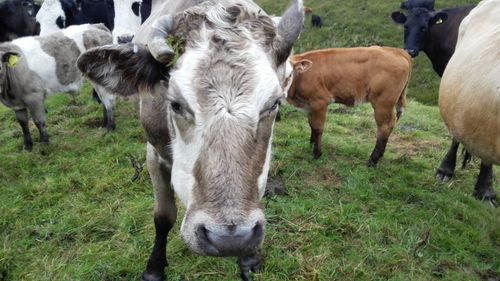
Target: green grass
point(75, 214)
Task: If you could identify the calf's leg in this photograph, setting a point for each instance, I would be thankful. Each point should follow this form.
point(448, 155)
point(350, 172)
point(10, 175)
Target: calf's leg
point(22, 118)
point(37, 111)
point(447, 168)
point(385, 119)
point(165, 213)
point(484, 185)
point(317, 117)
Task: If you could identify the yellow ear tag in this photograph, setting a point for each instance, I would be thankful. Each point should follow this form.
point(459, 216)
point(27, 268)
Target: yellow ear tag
point(13, 59)
point(439, 21)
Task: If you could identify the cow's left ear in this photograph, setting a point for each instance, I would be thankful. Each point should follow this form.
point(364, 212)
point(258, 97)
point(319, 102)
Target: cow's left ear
point(302, 66)
point(438, 18)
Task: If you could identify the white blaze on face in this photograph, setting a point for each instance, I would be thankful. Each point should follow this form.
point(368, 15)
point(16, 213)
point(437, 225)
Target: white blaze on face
point(186, 152)
point(126, 21)
point(47, 16)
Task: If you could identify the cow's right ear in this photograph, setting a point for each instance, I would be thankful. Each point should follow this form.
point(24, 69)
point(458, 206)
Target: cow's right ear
point(124, 69)
point(302, 66)
point(398, 17)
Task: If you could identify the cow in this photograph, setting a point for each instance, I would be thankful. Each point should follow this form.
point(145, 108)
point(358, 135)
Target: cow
point(17, 19)
point(121, 16)
point(469, 96)
point(350, 76)
point(37, 66)
point(411, 4)
point(209, 76)
point(435, 33)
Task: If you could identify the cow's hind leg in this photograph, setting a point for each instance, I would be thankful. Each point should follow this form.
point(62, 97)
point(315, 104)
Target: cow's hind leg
point(385, 119)
point(447, 167)
point(251, 263)
point(484, 185)
point(317, 118)
point(165, 213)
point(23, 119)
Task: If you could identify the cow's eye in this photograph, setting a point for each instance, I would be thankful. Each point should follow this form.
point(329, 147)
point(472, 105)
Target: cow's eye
point(275, 105)
point(176, 107)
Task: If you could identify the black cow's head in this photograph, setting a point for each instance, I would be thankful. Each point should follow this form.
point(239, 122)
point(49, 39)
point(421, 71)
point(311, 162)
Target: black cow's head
point(416, 25)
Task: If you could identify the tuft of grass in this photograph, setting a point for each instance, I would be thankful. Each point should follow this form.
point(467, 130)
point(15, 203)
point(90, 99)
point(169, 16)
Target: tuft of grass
point(76, 214)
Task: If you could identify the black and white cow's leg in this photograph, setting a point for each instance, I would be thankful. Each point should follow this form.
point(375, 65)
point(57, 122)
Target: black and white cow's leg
point(484, 185)
point(250, 263)
point(447, 168)
point(165, 213)
point(108, 106)
point(23, 119)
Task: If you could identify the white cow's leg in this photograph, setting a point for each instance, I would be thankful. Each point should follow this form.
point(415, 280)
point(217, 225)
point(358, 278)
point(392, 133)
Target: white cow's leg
point(484, 186)
point(22, 118)
point(165, 213)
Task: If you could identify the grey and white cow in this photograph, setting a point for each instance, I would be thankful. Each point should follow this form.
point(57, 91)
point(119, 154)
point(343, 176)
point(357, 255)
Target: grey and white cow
point(34, 67)
point(208, 116)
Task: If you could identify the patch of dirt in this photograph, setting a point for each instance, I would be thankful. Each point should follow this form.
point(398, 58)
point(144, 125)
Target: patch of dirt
point(410, 146)
point(324, 176)
point(275, 186)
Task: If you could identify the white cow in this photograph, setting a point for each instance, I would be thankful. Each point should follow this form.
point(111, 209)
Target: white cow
point(469, 95)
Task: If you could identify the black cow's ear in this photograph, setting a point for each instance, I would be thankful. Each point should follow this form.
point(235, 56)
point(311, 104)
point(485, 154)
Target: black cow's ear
point(124, 69)
point(398, 17)
point(438, 18)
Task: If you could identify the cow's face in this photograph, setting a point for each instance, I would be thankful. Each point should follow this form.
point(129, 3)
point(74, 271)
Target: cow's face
point(127, 20)
point(57, 14)
point(416, 25)
point(221, 99)
point(18, 17)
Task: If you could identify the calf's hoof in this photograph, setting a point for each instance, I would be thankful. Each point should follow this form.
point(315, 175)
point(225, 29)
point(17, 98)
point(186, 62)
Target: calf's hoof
point(44, 148)
point(371, 163)
point(146, 276)
point(28, 147)
point(443, 175)
point(487, 196)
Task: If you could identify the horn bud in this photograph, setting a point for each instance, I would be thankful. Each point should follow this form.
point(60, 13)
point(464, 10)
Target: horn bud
point(158, 46)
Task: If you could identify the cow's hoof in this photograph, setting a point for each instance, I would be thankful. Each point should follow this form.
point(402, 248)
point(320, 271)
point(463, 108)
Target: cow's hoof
point(249, 264)
point(443, 175)
point(44, 148)
point(146, 276)
point(488, 196)
point(28, 147)
point(316, 155)
point(371, 163)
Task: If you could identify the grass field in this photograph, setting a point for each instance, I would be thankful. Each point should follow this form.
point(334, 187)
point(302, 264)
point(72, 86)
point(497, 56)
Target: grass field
point(76, 214)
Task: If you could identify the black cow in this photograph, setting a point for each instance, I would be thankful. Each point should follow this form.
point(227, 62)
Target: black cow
point(435, 33)
point(17, 19)
point(411, 4)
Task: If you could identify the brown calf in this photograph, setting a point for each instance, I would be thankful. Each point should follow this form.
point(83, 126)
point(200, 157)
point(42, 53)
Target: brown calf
point(352, 76)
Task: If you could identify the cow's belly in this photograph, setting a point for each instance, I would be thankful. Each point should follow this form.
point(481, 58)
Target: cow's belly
point(470, 108)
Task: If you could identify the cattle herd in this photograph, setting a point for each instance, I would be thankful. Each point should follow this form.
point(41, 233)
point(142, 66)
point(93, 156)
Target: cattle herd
point(208, 113)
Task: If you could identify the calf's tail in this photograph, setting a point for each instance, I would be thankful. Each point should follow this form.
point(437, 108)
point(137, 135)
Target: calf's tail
point(402, 98)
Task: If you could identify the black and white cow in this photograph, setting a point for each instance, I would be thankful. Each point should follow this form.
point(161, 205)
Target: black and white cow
point(123, 17)
point(435, 33)
point(17, 19)
point(208, 116)
point(33, 67)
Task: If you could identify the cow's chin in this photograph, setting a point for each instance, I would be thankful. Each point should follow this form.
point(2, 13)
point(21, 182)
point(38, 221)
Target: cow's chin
point(205, 238)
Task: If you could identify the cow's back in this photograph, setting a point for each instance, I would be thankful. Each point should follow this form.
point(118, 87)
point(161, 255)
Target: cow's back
point(51, 60)
point(469, 95)
point(349, 75)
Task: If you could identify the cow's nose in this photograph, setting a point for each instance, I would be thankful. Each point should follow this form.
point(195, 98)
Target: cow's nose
point(126, 38)
point(413, 53)
point(231, 240)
